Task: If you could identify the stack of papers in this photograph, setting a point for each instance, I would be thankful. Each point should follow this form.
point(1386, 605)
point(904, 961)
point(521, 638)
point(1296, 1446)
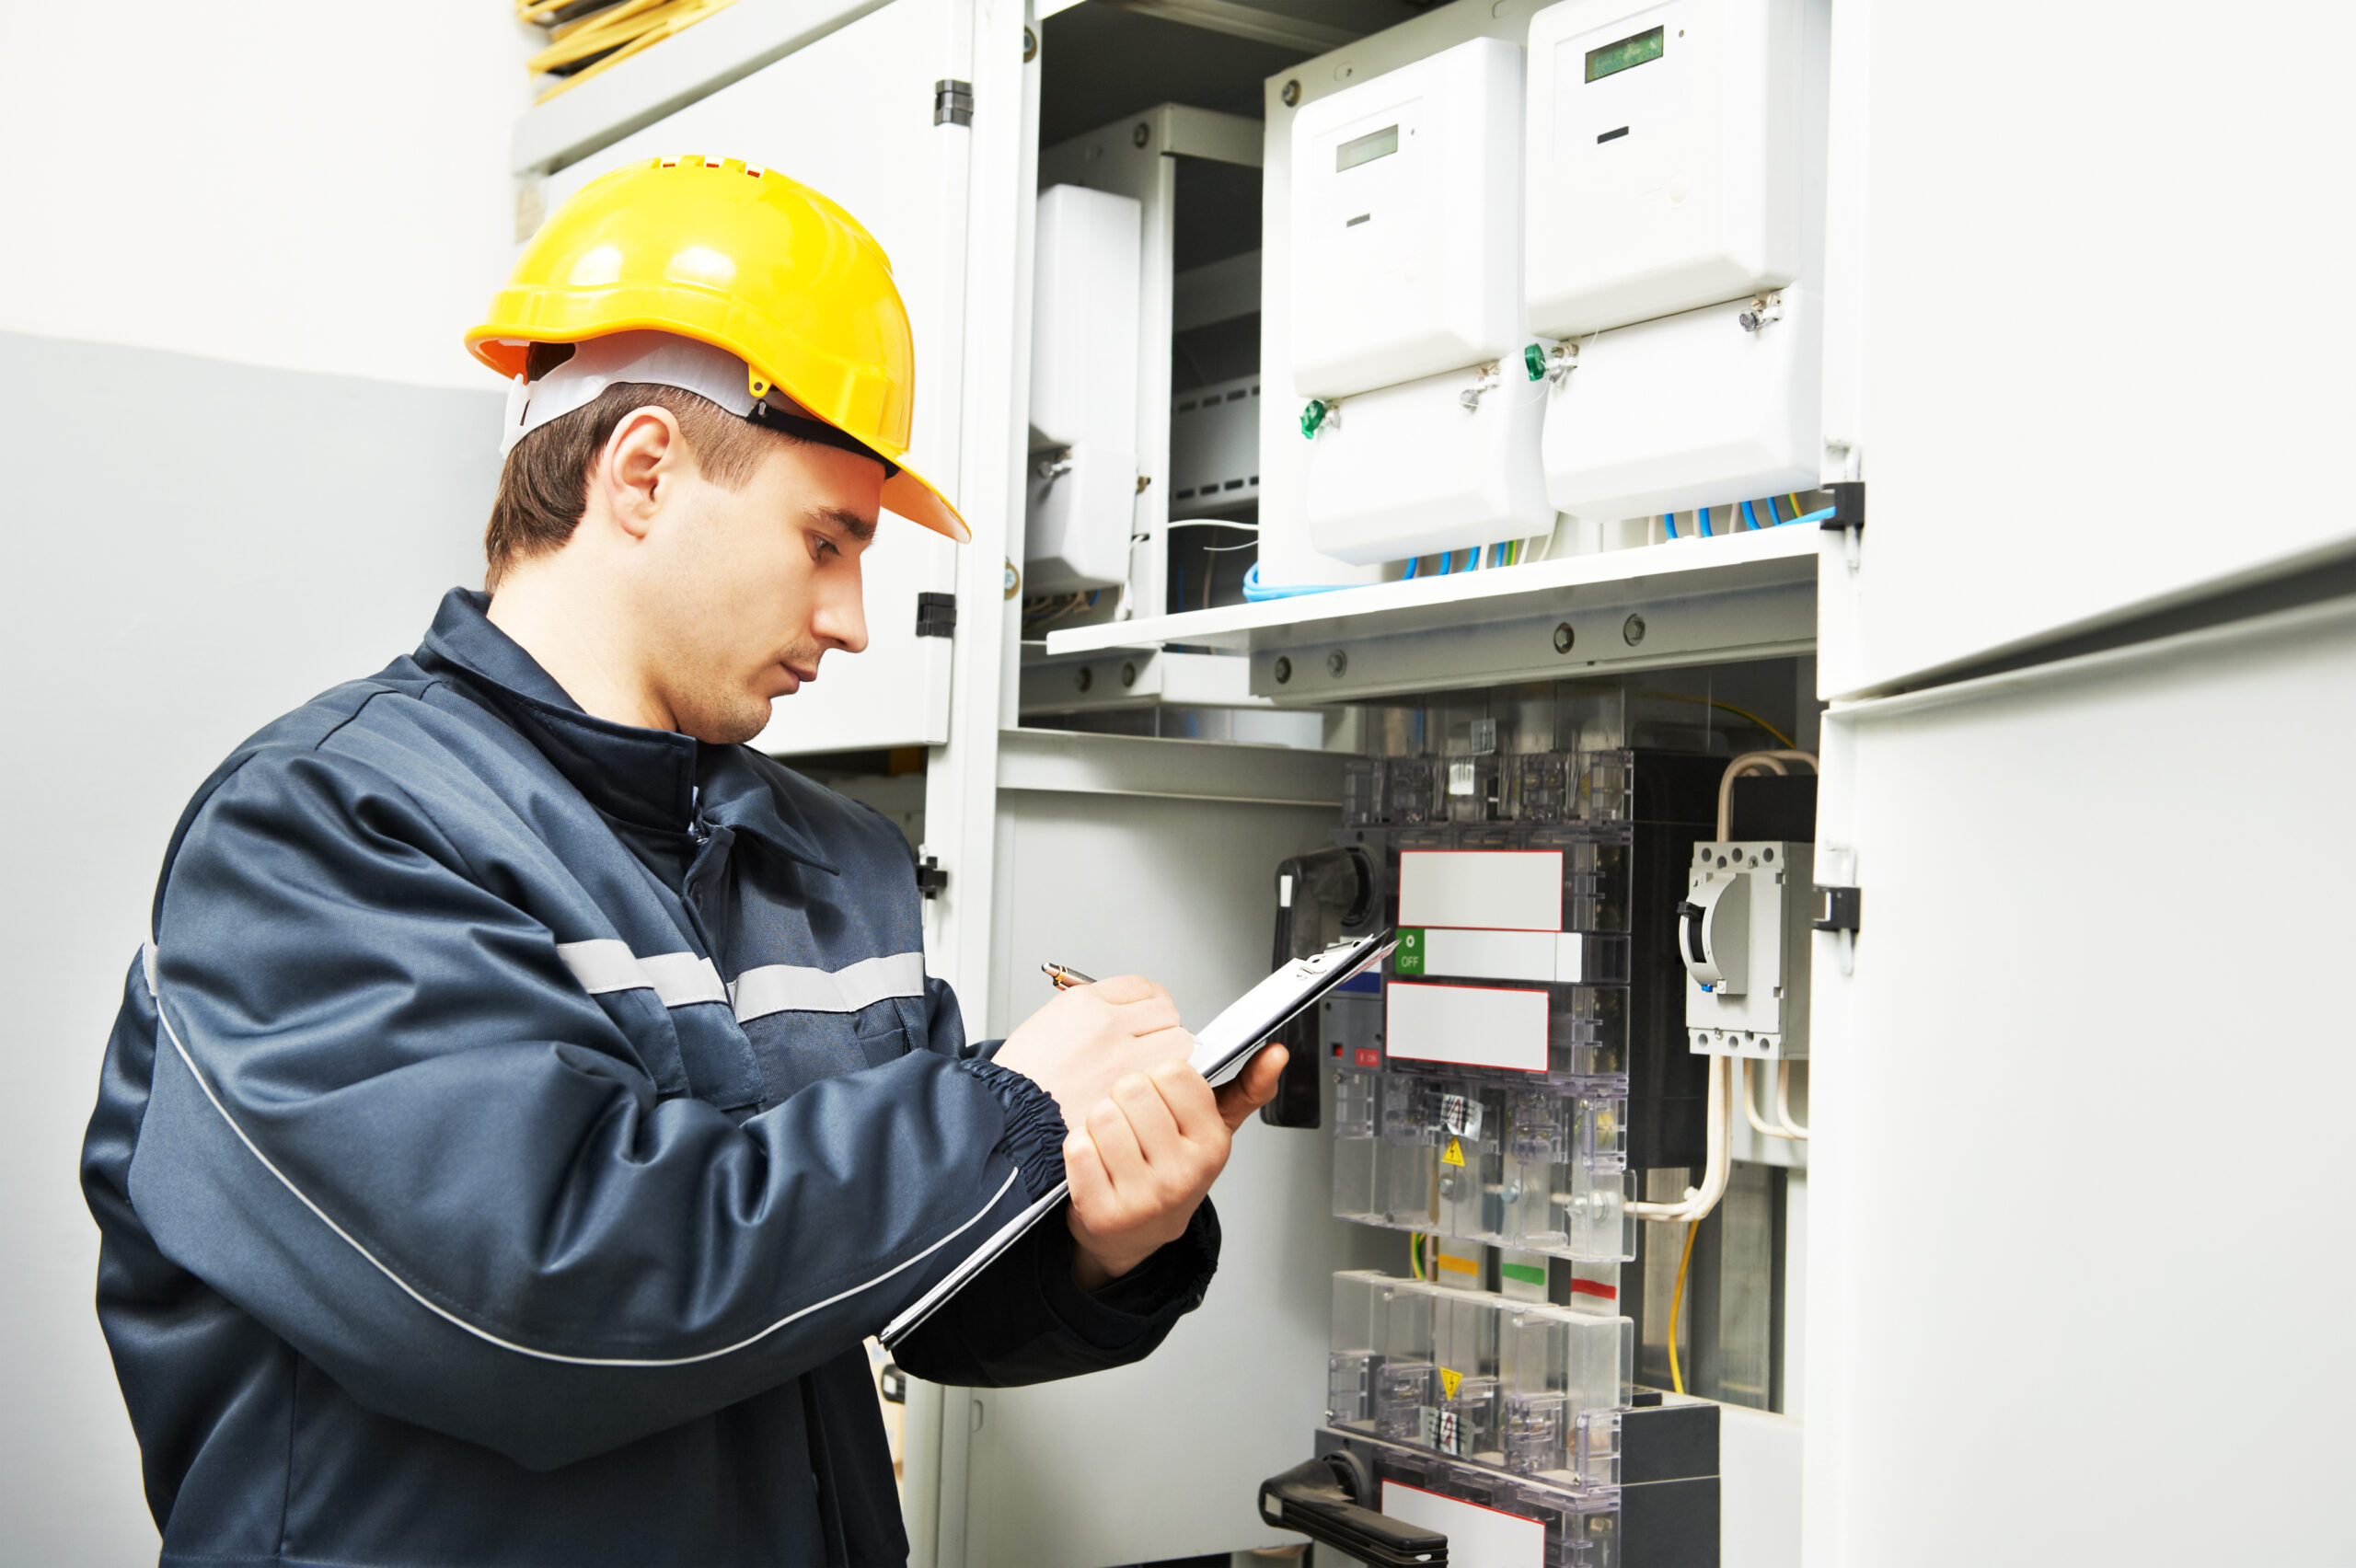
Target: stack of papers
point(587, 36)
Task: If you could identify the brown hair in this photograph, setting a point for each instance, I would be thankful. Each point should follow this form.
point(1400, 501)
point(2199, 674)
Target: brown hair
point(544, 488)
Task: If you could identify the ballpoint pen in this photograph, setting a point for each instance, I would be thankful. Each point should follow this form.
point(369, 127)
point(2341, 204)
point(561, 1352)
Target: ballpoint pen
point(1063, 977)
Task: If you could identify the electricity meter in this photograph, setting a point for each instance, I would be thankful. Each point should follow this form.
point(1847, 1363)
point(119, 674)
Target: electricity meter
point(1406, 223)
point(1673, 158)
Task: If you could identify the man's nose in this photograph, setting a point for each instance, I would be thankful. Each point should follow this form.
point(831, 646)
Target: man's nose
point(841, 620)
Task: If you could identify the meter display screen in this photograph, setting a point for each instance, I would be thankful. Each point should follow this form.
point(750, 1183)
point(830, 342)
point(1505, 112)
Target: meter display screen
point(1366, 148)
point(1613, 58)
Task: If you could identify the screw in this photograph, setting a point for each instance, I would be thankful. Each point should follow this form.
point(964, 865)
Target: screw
point(1087, 677)
point(1030, 46)
point(1013, 580)
point(1291, 94)
point(1283, 669)
point(1128, 674)
point(1632, 630)
point(1337, 661)
point(1564, 637)
point(1141, 136)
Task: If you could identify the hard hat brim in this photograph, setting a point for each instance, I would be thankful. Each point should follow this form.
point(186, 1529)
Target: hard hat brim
point(912, 496)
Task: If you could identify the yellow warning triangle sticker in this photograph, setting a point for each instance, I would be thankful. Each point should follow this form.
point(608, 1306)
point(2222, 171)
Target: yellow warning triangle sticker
point(1447, 1381)
point(1454, 1153)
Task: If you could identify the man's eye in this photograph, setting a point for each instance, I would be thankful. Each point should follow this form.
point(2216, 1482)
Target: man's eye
point(826, 545)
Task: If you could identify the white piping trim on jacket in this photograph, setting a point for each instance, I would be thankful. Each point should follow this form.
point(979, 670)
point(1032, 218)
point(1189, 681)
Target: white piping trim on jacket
point(676, 979)
point(792, 988)
point(147, 958)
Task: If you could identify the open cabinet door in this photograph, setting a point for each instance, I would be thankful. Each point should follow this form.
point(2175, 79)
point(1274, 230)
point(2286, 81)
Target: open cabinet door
point(2084, 344)
point(851, 116)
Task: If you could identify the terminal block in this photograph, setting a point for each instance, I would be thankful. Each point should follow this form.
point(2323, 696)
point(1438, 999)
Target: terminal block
point(1472, 1374)
point(1539, 1168)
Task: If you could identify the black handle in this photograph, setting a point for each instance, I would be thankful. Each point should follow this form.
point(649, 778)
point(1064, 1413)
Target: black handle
point(1316, 1499)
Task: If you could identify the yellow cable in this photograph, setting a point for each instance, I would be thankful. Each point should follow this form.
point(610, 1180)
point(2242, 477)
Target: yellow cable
point(1676, 1306)
point(1789, 745)
point(1794, 499)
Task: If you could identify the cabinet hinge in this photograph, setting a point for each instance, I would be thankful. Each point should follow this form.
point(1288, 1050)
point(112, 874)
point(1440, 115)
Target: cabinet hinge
point(931, 878)
point(1837, 908)
point(952, 102)
point(1848, 507)
point(935, 615)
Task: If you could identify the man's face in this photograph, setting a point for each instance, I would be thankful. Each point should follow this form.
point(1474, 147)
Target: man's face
point(757, 585)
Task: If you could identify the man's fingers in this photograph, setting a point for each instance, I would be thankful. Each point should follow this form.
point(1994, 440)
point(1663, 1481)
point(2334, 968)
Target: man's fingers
point(1092, 1189)
point(1148, 1015)
point(1191, 1104)
point(1116, 1145)
point(1123, 988)
point(1141, 1100)
point(1253, 1087)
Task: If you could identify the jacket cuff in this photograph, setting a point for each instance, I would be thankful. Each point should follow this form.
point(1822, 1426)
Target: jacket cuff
point(1143, 1302)
point(1035, 1125)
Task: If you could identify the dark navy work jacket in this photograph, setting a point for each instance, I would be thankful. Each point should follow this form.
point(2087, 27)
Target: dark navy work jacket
point(515, 1125)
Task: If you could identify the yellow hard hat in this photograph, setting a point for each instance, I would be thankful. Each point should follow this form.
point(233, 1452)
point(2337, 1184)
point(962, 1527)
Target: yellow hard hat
point(748, 261)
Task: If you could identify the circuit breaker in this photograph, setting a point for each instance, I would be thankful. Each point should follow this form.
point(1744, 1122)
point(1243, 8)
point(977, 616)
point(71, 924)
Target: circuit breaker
point(1742, 934)
point(1081, 491)
point(1665, 157)
point(1406, 223)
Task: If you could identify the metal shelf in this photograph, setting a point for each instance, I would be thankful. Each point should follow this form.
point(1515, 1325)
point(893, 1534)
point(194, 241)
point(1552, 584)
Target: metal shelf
point(1748, 595)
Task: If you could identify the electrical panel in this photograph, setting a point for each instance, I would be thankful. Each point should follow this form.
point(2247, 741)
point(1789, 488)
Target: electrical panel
point(1081, 487)
point(1446, 463)
point(1406, 223)
point(1708, 407)
point(1665, 157)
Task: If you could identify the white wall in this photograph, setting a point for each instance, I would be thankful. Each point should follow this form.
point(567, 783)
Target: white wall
point(194, 546)
point(284, 183)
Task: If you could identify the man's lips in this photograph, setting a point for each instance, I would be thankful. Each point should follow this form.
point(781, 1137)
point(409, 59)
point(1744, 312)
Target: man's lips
point(800, 676)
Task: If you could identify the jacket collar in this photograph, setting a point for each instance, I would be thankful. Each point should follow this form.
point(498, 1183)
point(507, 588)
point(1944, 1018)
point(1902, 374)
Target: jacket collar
point(645, 778)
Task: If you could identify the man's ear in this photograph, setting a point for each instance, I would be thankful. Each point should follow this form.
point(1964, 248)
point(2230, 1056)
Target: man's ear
point(644, 457)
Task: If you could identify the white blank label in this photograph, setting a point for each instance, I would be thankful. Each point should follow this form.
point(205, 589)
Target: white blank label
point(1488, 1536)
point(1496, 890)
point(1476, 1026)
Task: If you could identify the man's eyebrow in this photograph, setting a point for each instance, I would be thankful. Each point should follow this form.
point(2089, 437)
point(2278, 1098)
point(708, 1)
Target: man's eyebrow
point(851, 523)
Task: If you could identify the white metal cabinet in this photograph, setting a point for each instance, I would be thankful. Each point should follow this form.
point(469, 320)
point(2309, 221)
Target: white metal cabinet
point(2086, 274)
point(851, 115)
point(2079, 1113)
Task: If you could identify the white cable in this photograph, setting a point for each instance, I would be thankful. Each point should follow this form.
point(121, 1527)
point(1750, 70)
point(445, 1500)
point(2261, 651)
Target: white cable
point(1783, 1103)
point(1769, 760)
point(1751, 1106)
point(1699, 1201)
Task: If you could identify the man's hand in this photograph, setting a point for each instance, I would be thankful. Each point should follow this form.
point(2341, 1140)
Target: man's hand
point(1089, 1038)
point(1141, 1159)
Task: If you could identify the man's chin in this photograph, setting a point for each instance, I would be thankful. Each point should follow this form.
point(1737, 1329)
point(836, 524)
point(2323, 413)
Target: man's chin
point(733, 727)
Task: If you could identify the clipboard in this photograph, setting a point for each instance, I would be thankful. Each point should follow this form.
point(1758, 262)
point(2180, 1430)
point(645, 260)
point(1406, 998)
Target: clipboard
point(1221, 1049)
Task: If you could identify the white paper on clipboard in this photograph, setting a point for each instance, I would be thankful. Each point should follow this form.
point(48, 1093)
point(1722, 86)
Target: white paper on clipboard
point(1221, 1048)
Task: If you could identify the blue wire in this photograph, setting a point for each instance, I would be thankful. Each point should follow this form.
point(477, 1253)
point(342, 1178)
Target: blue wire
point(1752, 517)
point(1671, 518)
point(1254, 592)
point(1413, 564)
point(1812, 518)
point(1701, 515)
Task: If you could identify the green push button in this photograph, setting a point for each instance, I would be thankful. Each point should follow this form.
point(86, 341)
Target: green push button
point(1408, 959)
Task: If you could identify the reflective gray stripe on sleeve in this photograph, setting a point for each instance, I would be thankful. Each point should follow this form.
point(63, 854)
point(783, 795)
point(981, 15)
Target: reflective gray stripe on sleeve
point(789, 987)
point(675, 978)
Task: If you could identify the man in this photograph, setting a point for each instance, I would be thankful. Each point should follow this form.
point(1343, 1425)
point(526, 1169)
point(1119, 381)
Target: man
point(530, 1097)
